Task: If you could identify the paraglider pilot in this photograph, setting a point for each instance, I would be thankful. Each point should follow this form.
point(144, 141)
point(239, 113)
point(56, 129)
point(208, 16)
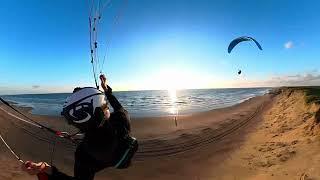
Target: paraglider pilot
point(107, 141)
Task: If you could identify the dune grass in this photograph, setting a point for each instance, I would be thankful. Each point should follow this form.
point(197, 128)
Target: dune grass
point(312, 95)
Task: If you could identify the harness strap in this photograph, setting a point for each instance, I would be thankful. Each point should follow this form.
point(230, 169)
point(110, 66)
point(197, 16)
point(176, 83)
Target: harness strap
point(129, 152)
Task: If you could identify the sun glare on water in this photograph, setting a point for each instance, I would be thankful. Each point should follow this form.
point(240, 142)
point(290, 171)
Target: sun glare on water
point(173, 101)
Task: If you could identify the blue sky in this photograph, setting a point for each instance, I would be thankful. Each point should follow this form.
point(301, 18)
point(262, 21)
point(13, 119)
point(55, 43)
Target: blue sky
point(160, 44)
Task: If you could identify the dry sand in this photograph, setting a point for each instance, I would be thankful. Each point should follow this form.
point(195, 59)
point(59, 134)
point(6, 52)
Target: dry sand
point(267, 137)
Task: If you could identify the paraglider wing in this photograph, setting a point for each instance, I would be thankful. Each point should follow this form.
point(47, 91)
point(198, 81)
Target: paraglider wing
point(259, 46)
point(241, 39)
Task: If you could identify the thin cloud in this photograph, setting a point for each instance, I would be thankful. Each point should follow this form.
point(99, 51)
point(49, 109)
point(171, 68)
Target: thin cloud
point(288, 45)
point(35, 86)
point(223, 63)
point(301, 79)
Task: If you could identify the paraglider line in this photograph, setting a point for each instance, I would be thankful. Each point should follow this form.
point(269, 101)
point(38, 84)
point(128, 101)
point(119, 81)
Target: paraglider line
point(10, 149)
point(115, 22)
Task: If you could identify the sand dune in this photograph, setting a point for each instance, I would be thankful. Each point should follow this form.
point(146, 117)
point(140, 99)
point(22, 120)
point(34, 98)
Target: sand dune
point(284, 146)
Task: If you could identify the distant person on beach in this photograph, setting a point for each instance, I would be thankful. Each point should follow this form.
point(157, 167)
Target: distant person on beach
point(107, 141)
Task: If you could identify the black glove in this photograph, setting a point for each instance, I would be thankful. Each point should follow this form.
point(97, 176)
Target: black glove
point(109, 91)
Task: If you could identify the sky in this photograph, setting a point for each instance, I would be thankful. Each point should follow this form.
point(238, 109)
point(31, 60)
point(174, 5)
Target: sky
point(159, 44)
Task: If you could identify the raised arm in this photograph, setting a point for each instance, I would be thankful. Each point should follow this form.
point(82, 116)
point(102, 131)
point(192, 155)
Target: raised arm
point(113, 100)
point(108, 92)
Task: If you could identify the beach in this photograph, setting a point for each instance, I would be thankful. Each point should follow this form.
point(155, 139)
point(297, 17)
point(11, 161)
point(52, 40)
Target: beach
point(274, 136)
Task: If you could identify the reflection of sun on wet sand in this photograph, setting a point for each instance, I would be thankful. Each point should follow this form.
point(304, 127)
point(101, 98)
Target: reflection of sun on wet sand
point(263, 138)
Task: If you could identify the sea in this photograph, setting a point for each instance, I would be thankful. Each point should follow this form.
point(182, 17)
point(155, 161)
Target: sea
point(150, 103)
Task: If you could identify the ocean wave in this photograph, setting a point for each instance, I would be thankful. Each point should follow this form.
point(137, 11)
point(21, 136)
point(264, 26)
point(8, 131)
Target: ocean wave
point(149, 103)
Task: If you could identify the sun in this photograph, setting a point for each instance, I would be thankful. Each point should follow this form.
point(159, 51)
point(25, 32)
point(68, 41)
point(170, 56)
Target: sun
point(173, 79)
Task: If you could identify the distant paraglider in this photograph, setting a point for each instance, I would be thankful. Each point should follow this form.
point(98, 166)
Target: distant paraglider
point(236, 41)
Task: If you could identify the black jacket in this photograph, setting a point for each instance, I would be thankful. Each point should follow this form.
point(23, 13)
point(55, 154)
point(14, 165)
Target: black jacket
point(100, 147)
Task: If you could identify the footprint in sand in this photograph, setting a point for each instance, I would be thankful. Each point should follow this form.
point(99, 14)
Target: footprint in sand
point(281, 144)
point(294, 142)
point(265, 149)
point(264, 163)
point(285, 154)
